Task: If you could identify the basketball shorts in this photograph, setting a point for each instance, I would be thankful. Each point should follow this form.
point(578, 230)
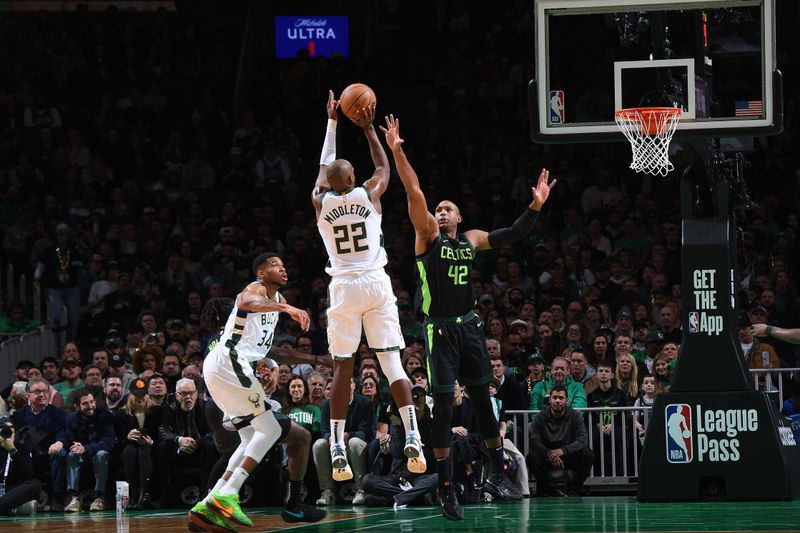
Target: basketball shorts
point(233, 384)
point(456, 350)
point(366, 299)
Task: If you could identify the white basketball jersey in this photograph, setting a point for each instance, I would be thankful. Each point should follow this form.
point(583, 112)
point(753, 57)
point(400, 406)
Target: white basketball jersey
point(351, 230)
point(250, 333)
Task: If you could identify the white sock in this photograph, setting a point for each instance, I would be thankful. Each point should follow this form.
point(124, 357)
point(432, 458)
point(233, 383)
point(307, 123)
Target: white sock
point(409, 416)
point(337, 431)
point(235, 482)
point(217, 487)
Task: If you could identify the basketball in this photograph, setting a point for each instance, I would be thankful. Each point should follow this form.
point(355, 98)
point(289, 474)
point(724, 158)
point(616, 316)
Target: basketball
point(354, 97)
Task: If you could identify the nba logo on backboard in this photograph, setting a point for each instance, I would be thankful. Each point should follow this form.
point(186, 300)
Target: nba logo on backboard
point(680, 440)
point(694, 322)
point(556, 107)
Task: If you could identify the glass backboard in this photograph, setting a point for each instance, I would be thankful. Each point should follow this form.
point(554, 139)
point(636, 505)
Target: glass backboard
point(715, 59)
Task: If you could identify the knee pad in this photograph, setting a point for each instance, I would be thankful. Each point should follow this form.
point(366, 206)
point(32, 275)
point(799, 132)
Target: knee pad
point(487, 422)
point(392, 367)
point(267, 431)
point(442, 414)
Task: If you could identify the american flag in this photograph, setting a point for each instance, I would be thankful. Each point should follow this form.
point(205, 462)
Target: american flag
point(749, 108)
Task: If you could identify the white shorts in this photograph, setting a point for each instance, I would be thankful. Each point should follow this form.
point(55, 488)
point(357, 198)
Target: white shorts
point(227, 383)
point(365, 299)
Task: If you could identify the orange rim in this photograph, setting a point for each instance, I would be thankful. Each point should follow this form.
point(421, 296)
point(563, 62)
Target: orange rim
point(649, 117)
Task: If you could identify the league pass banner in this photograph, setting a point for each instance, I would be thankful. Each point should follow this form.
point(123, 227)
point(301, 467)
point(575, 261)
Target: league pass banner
point(320, 35)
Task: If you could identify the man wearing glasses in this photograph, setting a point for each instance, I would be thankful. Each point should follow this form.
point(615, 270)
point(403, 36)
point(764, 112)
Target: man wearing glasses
point(185, 438)
point(46, 423)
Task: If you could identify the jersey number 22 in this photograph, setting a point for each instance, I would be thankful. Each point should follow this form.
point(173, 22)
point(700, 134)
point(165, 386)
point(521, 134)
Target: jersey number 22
point(350, 238)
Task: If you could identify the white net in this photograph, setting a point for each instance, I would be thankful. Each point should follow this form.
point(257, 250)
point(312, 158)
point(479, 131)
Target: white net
point(649, 130)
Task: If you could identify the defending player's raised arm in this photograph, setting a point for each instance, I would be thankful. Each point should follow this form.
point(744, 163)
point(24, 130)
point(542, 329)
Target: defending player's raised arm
point(483, 240)
point(377, 184)
point(424, 223)
point(328, 154)
point(254, 298)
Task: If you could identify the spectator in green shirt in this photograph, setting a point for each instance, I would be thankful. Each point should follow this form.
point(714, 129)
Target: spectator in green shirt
point(15, 320)
point(300, 409)
point(71, 372)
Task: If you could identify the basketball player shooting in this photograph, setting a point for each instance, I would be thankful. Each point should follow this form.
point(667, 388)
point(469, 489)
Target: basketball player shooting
point(246, 338)
point(454, 338)
point(349, 221)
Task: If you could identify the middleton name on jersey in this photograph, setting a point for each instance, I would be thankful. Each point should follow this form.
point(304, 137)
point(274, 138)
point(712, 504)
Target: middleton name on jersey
point(347, 209)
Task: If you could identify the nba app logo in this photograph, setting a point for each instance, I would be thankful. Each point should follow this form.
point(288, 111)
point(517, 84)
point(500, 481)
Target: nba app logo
point(680, 440)
point(556, 107)
point(694, 322)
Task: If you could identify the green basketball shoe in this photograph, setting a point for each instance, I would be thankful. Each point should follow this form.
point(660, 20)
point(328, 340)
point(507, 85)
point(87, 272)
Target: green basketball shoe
point(203, 519)
point(228, 508)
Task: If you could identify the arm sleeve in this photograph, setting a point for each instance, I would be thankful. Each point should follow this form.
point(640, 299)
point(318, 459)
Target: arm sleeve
point(537, 429)
point(60, 428)
point(166, 431)
point(580, 441)
point(107, 440)
point(537, 397)
point(521, 227)
point(578, 396)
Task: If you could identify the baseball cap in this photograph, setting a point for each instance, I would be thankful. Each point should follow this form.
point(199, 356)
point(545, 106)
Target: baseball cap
point(758, 309)
point(420, 370)
point(535, 357)
point(418, 389)
point(113, 342)
point(116, 360)
point(158, 186)
point(655, 336)
point(540, 245)
point(236, 151)
point(61, 229)
point(486, 297)
point(518, 322)
point(138, 387)
point(70, 361)
point(625, 312)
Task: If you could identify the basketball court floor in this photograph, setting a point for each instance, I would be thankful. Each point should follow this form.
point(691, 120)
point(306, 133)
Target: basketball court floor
point(593, 514)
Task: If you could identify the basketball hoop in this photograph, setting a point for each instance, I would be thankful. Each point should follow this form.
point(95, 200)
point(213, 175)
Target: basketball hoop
point(649, 130)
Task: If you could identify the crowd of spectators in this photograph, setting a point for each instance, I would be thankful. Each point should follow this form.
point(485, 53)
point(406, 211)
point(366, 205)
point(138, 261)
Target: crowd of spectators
point(132, 196)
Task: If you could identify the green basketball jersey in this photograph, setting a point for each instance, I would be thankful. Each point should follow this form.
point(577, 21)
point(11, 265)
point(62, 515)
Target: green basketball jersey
point(444, 272)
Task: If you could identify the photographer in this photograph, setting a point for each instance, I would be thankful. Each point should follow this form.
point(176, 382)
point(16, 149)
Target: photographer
point(16, 472)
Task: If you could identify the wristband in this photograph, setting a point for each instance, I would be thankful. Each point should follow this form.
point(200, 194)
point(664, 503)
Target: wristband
point(768, 331)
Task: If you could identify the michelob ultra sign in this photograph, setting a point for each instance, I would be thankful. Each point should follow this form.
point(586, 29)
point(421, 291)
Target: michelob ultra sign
point(320, 35)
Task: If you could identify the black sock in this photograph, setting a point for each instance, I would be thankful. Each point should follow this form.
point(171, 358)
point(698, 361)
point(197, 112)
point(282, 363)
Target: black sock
point(496, 456)
point(443, 470)
point(294, 493)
